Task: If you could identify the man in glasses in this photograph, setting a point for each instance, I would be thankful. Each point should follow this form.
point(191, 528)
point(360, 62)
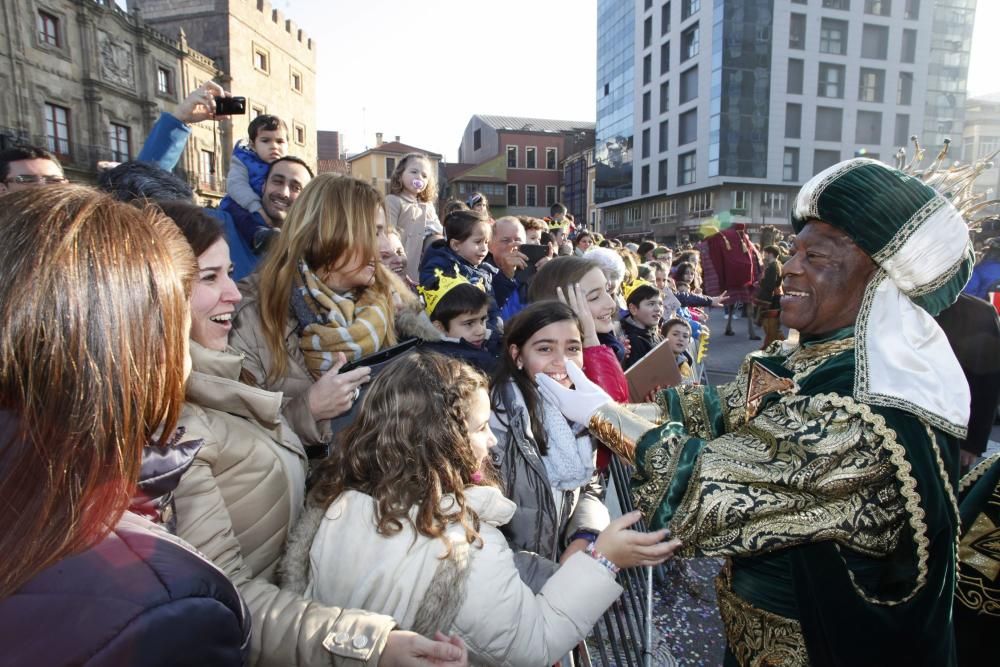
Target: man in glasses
point(27, 167)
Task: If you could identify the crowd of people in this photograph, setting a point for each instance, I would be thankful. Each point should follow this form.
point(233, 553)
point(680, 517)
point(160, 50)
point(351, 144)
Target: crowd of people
point(322, 425)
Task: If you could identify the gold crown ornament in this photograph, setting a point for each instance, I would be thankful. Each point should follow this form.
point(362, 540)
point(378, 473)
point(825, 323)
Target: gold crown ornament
point(628, 288)
point(445, 284)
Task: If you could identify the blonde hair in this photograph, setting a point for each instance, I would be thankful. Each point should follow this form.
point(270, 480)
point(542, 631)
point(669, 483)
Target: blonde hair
point(331, 221)
point(94, 314)
point(430, 191)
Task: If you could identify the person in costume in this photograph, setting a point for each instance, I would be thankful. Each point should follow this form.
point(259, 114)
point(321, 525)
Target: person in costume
point(825, 473)
point(767, 299)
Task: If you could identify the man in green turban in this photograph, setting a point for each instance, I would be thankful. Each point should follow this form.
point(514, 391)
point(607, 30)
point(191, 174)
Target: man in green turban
point(825, 472)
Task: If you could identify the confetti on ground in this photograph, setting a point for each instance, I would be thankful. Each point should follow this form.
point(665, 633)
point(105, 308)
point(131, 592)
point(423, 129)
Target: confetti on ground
point(687, 629)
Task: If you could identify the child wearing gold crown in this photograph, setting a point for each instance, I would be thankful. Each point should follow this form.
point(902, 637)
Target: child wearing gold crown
point(642, 324)
point(459, 311)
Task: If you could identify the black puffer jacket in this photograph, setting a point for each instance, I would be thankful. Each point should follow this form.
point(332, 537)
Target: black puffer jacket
point(538, 525)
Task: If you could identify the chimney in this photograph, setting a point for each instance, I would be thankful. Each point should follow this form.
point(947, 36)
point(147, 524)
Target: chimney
point(397, 138)
point(378, 139)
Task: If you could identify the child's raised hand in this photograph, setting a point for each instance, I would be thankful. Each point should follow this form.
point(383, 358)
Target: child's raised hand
point(575, 299)
point(630, 548)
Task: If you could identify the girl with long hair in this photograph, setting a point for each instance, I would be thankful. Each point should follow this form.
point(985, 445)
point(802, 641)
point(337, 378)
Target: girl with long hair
point(409, 207)
point(405, 519)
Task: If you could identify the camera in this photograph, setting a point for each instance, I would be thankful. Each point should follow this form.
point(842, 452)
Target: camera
point(230, 106)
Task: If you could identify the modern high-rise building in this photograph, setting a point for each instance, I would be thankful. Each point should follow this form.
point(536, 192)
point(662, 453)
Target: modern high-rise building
point(712, 112)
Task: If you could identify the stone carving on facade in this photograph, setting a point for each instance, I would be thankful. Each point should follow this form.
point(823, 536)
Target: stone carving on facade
point(116, 60)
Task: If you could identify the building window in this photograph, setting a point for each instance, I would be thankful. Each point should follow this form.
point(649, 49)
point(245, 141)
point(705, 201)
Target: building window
point(118, 139)
point(300, 134)
point(871, 85)
point(261, 60)
point(987, 146)
point(645, 143)
point(828, 123)
point(790, 166)
point(647, 32)
point(688, 127)
point(878, 7)
point(647, 69)
point(837, 4)
point(529, 158)
point(550, 195)
point(48, 29)
point(904, 92)
point(911, 10)
point(875, 42)
point(646, 104)
point(824, 159)
point(901, 137)
point(833, 37)
point(689, 43)
point(831, 81)
point(772, 204)
point(390, 166)
point(644, 180)
point(664, 97)
point(256, 110)
point(512, 157)
point(661, 176)
point(797, 31)
point(793, 121)
point(868, 129)
point(206, 165)
point(665, 18)
point(664, 57)
point(57, 129)
point(689, 8)
point(511, 195)
point(477, 140)
point(909, 51)
point(686, 170)
point(551, 158)
point(689, 85)
point(664, 136)
point(164, 81)
point(700, 202)
point(741, 202)
point(529, 195)
point(796, 69)
point(296, 81)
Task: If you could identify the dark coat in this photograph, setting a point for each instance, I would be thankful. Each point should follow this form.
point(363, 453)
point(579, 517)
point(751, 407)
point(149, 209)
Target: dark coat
point(641, 341)
point(138, 597)
point(480, 357)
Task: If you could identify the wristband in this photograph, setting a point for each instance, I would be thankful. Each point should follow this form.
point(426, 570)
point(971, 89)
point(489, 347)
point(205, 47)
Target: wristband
point(602, 559)
point(588, 535)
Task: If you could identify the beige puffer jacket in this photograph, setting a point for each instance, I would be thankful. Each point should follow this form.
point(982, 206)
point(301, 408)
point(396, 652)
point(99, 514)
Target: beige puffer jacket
point(236, 503)
point(247, 337)
point(336, 556)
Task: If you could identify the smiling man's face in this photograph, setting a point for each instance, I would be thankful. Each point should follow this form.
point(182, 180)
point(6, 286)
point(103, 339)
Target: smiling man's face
point(283, 185)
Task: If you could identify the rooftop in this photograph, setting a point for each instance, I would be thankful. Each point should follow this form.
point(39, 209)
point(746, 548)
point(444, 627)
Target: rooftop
point(534, 124)
point(395, 148)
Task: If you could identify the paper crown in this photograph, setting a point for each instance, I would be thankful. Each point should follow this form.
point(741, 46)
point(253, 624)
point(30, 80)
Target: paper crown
point(444, 285)
point(628, 288)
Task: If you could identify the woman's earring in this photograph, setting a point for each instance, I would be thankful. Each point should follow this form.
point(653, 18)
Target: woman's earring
point(520, 365)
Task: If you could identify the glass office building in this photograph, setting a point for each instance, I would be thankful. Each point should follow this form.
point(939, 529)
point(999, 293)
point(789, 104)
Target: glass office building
point(615, 103)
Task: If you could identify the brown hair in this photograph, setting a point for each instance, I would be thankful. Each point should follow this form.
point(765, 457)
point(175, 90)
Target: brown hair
point(530, 223)
point(429, 193)
point(559, 272)
point(200, 229)
point(332, 218)
point(93, 344)
point(409, 446)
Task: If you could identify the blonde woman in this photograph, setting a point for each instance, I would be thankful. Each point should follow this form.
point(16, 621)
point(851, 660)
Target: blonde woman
point(320, 299)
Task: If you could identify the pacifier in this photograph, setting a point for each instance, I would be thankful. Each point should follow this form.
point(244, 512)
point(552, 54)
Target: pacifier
point(417, 184)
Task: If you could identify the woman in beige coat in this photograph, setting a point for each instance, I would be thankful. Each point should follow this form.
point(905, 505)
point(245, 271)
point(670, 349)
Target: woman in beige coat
point(236, 502)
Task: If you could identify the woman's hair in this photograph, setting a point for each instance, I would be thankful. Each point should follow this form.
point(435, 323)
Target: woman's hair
point(631, 262)
point(452, 205)
point(673, 322)
point(200, 229)
point(429, 193)
point(681, 268)
point(610, 262)
point(580, 236)
point(332, 218)
point(518, 330)
point(644, 248)
point(93, 344)
point(477, 198)
point(409, 446)
point(459, 225)
point(559, 272)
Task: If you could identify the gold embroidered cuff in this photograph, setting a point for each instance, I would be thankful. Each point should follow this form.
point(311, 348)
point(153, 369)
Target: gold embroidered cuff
point(619, 429)
point(651, 412)
point(758, 638)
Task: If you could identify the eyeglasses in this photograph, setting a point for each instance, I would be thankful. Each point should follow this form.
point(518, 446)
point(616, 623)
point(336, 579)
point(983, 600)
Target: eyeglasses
point(31, 179)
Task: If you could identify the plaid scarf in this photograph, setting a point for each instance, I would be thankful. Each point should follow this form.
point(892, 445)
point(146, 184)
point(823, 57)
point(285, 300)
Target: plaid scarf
point(357, 325)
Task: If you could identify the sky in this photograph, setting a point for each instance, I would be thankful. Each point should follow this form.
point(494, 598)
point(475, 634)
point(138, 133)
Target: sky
point(420, 70)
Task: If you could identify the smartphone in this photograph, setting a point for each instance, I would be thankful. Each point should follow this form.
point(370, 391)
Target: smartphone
point(376, 360)
point(230, 106)
point(534, 252)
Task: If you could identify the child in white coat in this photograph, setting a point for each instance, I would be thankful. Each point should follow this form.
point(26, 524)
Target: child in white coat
point(404, 520)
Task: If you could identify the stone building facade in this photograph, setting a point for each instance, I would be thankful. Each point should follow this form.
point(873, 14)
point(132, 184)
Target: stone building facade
point(263, 56)
point(87, 80)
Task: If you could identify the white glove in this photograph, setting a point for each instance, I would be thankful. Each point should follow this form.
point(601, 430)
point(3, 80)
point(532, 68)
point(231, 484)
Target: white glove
point(578, 404)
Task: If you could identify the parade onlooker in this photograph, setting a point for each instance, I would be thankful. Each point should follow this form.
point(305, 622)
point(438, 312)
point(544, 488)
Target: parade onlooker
point(392, 254)
point(642, 325)
point(477, 201)
point(27, 166)
point(768, 297)
point(452, 205)
point(460, 311)
point(319, 299)
point(533, 229)
point(582, 243)
point(986, 274)
point(465, 245)
point(93, 359)
point(418, 509)
point(410, 207)
point(645, 251)
point(504, 244)
point(678, 332)
point(250, 163)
